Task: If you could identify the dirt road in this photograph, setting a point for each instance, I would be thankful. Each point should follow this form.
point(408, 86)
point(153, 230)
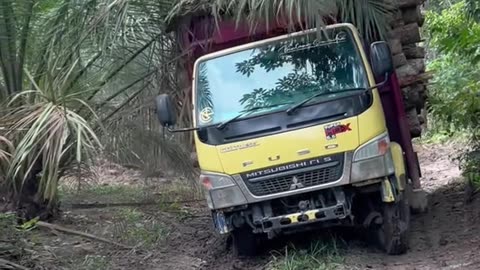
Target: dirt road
point(180, 237)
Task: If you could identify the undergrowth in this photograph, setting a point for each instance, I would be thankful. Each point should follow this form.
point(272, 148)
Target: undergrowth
point(470, 164)
point(136, 228)
point(103, 194)
point(95, 262)
point(166, 195)
point(454, 93)
point(11, 244)
point(434, 136)
point(318, 256)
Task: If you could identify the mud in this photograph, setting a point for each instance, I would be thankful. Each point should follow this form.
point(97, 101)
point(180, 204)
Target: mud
point(445, 237)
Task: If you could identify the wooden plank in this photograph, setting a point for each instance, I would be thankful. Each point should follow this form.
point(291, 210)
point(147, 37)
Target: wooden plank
point(413, 51)
point(411, 15)
point(395, 45)
point(399, 60)
point(396, 20)
point(409, 33)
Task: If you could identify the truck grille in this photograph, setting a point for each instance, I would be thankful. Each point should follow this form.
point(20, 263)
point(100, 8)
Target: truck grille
point(324, 175)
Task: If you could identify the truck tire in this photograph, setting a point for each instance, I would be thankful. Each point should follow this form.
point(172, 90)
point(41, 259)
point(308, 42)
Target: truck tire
point(393, 234)
point(245, 242)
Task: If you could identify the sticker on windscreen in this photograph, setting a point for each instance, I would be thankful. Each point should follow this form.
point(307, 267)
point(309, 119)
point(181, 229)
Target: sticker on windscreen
point(332, 130)
point(206, 115)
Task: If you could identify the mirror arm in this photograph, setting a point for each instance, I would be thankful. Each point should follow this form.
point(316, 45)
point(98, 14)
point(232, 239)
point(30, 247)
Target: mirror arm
point(385, 80)
point(381, 83)
point(181, 129)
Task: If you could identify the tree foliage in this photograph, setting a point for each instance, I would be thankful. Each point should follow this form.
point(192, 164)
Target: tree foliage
point(453, 32)
point(454, 37)
point(62, 63)
point(455, 93)
point(370, 16)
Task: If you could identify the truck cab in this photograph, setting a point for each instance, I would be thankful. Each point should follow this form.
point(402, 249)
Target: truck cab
point(291, 135)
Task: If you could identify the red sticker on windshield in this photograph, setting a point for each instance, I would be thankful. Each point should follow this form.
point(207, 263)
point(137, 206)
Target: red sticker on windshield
point(332, 130)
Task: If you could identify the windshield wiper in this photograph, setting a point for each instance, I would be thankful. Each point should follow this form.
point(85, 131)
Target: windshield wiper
point(247, 112)
point(303, 102)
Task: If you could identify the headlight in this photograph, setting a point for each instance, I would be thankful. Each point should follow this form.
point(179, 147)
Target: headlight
point(372, 160)
point(376, 147)
point(221, 191)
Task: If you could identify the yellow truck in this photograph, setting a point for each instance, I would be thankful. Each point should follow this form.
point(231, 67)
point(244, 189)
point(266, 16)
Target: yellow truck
point(291, 134)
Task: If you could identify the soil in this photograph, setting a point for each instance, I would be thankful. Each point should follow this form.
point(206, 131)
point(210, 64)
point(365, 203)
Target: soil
point(445, 237)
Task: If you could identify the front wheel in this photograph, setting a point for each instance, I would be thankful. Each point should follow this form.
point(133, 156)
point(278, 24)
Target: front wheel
point(245, 242)
point(393, 234)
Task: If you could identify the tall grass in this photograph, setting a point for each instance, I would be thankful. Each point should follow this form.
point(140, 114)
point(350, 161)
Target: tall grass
point(319, 256)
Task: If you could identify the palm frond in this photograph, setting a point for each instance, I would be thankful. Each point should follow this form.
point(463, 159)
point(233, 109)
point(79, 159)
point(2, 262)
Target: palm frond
point(370, 16)
point(6, 150)
point(253, 12)
point(49, 135)
point(149, 149)
point(84, 58)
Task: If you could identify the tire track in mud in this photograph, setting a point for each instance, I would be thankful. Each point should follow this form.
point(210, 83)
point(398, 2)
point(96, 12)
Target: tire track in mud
point(446, 237)
point(443, 238)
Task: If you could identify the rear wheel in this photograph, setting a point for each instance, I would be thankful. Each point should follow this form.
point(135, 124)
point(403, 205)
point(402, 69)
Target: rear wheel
point(393, 234)
point(245, 242)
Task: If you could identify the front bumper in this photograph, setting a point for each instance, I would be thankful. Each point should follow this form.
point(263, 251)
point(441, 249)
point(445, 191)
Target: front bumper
point(340, 210)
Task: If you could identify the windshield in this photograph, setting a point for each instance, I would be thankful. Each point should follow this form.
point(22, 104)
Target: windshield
point(281, 73)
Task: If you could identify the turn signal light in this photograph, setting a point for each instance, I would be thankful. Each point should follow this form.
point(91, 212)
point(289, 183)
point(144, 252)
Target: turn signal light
point(383, 146)
point(206, 182)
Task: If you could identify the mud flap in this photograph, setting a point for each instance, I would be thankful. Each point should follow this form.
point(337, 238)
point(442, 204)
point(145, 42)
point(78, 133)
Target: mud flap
point(388, 194)
point(399, 164)
point(417, 198)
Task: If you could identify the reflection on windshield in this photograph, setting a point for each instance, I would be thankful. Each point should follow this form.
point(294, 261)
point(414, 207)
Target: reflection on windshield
point(283, 72)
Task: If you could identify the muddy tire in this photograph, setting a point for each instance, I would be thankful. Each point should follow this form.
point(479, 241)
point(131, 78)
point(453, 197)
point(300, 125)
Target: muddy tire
point(245, 242)
point(393, 234)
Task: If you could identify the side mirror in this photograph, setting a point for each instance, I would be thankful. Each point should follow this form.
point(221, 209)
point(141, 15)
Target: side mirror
point(381, 58)
point(165, 110)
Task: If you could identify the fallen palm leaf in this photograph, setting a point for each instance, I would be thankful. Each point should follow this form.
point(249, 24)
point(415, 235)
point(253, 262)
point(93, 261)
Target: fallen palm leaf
point(5, 264)
point(29, 225)
point(59, 228)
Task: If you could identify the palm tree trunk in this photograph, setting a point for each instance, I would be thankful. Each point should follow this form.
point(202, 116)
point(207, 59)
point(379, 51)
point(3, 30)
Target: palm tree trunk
point(27, 202)
point(7, 47)
point(23, 44)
